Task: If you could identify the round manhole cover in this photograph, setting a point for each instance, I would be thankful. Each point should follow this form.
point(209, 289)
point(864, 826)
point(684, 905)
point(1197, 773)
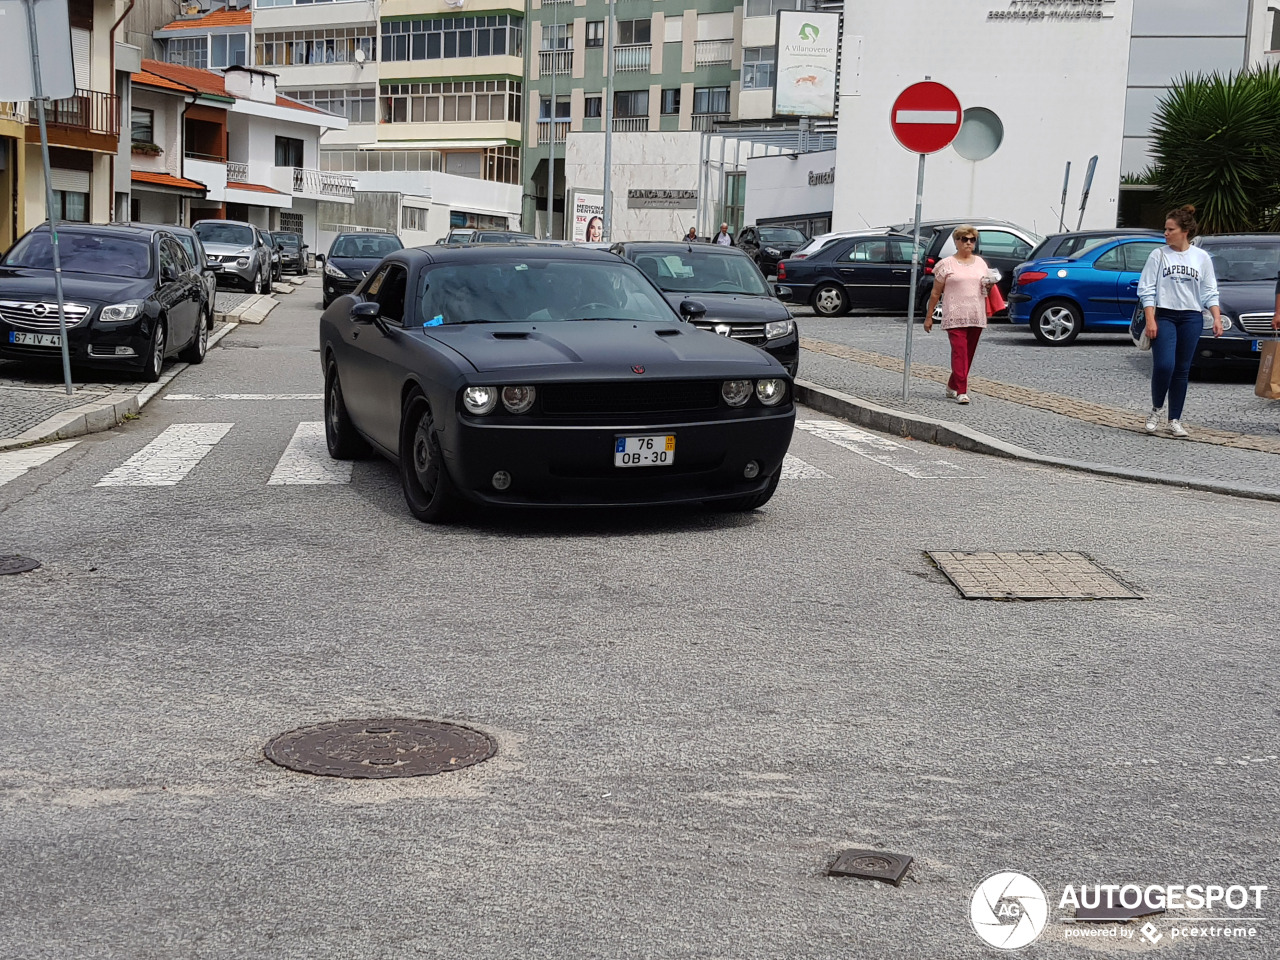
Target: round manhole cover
point(17, 564)
point(365, 749)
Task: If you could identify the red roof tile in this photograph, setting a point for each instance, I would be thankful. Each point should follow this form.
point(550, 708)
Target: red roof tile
point(155, 80)
point(254, 187)
point(205, 81)
point(164, 180)
point(218, 18)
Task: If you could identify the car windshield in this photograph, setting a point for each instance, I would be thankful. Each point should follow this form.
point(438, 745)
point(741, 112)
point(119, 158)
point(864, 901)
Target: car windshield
point(1239, 261)
point(235, 234)
point(366, 248)
point(83, 253)
point(538, 290)
point(695, 271)
point(285, 239)
point(780, 235)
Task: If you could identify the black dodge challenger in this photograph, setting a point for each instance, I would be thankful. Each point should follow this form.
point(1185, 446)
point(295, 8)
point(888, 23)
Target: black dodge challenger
point(546, 376)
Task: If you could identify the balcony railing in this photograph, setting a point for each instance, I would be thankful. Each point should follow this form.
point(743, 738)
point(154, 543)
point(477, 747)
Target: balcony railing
point(237, 172)
point(89, 110)
point(322, 183)
point(633, 56)
point(191, 154)
point(555, 61)
point(544, 131)
point(708, 121)
point(15, 111)
point(708, 52)
point(630, 124)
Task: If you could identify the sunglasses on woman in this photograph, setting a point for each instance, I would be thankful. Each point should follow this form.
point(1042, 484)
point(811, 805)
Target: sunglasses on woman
point(968, 239)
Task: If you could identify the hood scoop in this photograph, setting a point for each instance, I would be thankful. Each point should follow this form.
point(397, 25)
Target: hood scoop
point(669, 333)
point(511, 335)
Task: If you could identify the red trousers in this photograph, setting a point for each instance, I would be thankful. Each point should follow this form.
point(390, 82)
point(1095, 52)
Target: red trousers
point(964, 344)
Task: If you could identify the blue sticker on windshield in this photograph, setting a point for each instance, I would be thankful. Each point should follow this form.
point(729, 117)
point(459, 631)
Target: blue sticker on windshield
point(435, 321)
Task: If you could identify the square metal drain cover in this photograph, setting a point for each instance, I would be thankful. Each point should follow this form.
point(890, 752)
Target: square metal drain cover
point(871, 865)
point(1030, 575)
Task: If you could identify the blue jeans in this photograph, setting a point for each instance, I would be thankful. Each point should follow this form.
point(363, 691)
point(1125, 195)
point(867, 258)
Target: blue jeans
point(1171, 354)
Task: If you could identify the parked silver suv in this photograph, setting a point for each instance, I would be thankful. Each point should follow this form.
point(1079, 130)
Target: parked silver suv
point(243, 250)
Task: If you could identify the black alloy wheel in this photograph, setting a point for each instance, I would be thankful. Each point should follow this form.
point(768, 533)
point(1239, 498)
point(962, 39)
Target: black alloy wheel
point(340, 434)
point(154, 361)
point(195, 351)
point(830, 300)
point(428, 488)
point(752, 501)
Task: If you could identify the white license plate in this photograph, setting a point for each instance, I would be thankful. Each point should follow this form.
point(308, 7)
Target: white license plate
point(35, 339)
point(649, 451)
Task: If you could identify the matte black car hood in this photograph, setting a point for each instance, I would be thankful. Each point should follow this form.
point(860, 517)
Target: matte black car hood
point(603, 347)
point(728, 306)
point(1251, 296)
point(27, 283)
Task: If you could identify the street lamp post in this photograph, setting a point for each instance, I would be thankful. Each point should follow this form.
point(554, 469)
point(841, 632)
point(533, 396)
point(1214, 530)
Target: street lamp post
point(607, 225)
point(551, 162)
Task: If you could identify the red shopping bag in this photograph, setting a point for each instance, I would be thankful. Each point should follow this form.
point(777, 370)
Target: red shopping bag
point(995, 302)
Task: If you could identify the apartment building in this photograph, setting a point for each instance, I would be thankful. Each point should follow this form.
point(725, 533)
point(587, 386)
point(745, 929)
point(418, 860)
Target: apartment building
point(699, 67)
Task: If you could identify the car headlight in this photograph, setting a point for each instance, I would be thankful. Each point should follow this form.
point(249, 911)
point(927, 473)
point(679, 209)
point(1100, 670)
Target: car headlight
point(518, 399)
point(1208, 320)
point(242, 262)
point(119, 312)
point(736, 392)
point(772, 391)
point(772, 252)
point(778, 328)
point(480, 400)
point(331, 271)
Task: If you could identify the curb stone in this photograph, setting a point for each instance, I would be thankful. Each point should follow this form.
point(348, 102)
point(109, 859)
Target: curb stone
point(103, 413)
point(252, 310)
point(282, 287)
point(945, 433)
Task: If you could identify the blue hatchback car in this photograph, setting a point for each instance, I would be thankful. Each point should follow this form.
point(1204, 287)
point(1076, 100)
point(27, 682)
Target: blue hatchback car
point(1094, 290)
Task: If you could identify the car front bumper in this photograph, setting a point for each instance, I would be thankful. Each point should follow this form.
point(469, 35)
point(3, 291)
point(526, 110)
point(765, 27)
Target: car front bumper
point(553, 465)
point(335, 287)
point(1229, 349)
point(233, 272)
point(87, 344)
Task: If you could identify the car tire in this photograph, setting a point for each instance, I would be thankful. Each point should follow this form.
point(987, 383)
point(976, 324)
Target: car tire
point(340, 434)
point(428, 488)
point(1056, 323)
point(195, 351)
point(326, 302)
point(752, 502)
point(830, 300)
point(154, 361)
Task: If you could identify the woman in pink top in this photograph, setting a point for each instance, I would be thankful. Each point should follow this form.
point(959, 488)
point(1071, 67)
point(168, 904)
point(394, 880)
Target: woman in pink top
point(962, 282)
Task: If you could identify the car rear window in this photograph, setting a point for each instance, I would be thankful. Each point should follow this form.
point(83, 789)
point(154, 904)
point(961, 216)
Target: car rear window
point(369, 248)
point(83, 253)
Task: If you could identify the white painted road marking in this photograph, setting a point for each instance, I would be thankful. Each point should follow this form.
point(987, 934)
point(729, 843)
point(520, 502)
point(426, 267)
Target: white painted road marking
point(306, 460)
point(14, 463)
point(169, 457)
point(926, 116)
point(793, 468)
point(244, 396)
point(882, 450)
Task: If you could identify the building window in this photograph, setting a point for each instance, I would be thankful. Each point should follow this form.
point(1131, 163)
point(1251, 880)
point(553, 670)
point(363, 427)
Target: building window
point(711, 100)
point(767, 8)
point(290, 222)
point(452, 38)
point(735, 198)
point(484, 100)
point(757, 67)
point(592, 106)
point(71, 205)
point(143, 124)
point(188, 51)
point(562, 108)
point(228, 50)
point(413, 218)
point(357, 104)
point(671, 100)
point(631, 103)
point(557, 36)
point(595, 33)
point(285, 48)
point(633, 31)
point(380, 161)
point(288, 152)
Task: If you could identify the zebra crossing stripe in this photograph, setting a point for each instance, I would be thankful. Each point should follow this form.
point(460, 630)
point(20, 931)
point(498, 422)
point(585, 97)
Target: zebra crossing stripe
point(14, 463)
point(793, 468)
point(169, 457)
point(306, 460)
point(882, 450)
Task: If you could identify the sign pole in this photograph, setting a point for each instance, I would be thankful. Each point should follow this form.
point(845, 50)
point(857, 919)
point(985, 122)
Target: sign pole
point(1066, 179)
point(551, 165)
point(1088, 185)
point(607, 222)
point(38, 91)
point(915, 275)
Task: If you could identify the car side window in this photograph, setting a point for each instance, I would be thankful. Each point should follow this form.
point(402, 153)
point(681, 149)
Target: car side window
point(899, 251)
point(180, 258)
point(167, 263)
point(390, 293)
point(868, 251)
point(1112, 260)
point(998, 243)
point(1136, 254)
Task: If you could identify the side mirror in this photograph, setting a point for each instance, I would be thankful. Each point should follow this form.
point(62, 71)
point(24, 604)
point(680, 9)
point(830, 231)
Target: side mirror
point(319, 258)
point(168, 274)
point(692, 309)
point(306, 246)
point(781, 292)
point(366, 312)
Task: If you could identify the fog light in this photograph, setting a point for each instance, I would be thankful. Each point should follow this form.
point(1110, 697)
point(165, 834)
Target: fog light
point(501, 480)
point(125, 352)
point(751, 470)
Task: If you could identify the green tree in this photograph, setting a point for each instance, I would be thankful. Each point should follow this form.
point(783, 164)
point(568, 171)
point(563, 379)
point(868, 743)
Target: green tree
point(1217, 146)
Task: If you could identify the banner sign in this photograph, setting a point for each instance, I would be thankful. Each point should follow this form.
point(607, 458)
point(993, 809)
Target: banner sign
point(588, 217)
point(808, 46)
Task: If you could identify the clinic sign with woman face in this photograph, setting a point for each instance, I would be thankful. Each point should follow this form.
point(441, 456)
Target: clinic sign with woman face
point(808, 47)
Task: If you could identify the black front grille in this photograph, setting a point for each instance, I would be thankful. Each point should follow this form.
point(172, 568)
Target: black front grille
point(634, 397)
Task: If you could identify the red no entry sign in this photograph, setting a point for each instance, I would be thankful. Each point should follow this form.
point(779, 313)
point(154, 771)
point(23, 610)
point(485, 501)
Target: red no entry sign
point(925, 117)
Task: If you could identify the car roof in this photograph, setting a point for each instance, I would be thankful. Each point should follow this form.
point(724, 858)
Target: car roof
point(1116, 232)
point(143, 225)
point(369, 233)
point(675, 246)
point(499, 253)
point(238, 223)
point(136, 231)
point(1273, 237)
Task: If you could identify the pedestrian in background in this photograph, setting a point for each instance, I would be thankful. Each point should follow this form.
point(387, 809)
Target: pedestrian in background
point(1176, 286)
point(692, 235)
point(723, 237)
point(961, 282)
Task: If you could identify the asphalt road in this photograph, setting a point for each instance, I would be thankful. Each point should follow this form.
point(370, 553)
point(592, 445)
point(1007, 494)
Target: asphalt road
point(694, 713)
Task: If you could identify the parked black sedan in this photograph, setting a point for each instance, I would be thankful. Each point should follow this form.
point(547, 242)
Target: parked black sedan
point(719, 289)
point(767, 246)
point(546, 376)
point(871, 269)
point(132, 298)
point(293, 252)
point(351, 257)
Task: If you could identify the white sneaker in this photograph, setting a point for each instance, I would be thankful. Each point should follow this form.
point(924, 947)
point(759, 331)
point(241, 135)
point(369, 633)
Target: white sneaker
point(1177, 429)
point(962, 398)
point(951, 394)
point(1153, 421)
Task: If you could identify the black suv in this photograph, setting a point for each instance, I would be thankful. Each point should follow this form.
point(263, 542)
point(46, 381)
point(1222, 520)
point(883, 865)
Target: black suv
point(768, 245)
point(721, 290)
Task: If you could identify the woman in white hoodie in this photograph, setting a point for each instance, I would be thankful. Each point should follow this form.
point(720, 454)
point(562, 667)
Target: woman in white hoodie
point(1176, 287)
